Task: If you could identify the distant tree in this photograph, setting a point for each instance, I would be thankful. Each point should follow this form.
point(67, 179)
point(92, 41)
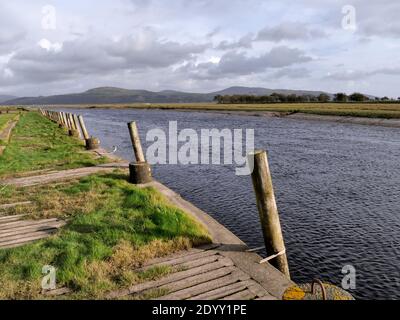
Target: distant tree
point(385, 99)
point(341, 97)
point(218, 98)
point(358, 97)
point(323, 97)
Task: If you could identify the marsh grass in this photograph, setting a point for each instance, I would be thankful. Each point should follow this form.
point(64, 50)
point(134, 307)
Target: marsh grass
point(367, 110)
point(113, 228)
point(37, 144)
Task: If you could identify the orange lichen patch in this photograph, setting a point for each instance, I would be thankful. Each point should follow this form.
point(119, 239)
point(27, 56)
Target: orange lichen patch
point(294, 293)
point(303, 292)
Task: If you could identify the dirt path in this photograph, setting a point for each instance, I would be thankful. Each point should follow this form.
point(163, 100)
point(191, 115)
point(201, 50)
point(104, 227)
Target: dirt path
point(5, 134)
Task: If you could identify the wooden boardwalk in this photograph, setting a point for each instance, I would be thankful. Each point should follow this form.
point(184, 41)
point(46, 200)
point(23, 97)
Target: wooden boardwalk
point(200, 274)
point(15, 232)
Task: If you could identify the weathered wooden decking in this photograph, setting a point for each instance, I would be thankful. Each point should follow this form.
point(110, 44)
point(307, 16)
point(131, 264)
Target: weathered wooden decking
point(224, 270)
point(200, 274)
point(15, 232)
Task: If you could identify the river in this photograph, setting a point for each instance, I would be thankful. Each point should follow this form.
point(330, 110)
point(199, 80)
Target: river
point(337, 188)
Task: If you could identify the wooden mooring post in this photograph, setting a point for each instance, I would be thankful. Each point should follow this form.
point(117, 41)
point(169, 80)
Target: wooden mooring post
point(269, 216)
point(139, 172)
point(92, 143)
point(73, 131)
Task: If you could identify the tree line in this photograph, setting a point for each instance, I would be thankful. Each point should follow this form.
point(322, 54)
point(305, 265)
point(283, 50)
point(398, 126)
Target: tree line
point(293, 98)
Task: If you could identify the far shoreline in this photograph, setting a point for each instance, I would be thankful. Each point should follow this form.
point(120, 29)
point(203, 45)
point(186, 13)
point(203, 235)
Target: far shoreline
point(340, 116)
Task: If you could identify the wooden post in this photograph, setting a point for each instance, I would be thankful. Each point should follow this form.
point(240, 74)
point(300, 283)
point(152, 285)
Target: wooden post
point(59, 120)
point(65, 120)
point(269, 216)
point(83, 128)
point(140, 172)
point(135, 138)
point(76, 122)
point(73, 132)
point(92, 143)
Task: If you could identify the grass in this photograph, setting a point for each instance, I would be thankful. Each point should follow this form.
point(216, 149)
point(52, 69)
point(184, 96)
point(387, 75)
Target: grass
point(4, 119)
point(113, 227)
point(368, 110)
point(38, 144)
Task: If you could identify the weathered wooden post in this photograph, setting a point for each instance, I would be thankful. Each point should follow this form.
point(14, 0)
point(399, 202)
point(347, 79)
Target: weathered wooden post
point(60, 120)
point(269, 216)
point(65, 120)
point(76, 122)
point(73, 132)
point(92, 143)
point(140, 172)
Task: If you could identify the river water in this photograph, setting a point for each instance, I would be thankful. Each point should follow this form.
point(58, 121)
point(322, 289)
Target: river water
point(337, 188)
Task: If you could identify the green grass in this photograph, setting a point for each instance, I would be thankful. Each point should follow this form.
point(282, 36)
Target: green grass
point(37, 144)
point(113, 228)
point(4, 118)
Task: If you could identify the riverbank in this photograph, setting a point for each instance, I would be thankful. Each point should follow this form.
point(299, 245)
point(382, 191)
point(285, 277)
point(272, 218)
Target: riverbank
point(387, 115)
point(106, 227)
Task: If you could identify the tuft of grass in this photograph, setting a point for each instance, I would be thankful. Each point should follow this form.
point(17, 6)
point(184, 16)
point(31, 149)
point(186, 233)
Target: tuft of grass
point(113, 228)
point(39, 144)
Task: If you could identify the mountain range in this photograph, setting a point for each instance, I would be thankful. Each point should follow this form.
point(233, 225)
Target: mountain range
point(108, 95)
point(4, 98)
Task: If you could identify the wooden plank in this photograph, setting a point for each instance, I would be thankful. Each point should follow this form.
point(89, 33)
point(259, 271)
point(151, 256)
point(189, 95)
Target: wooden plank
point(10, 225)
point(57, 292)
point(22, 241)
point(242, 295)
point(223, 291)
point(183, 259)
point(258, 290)
point(12, 232)
point(12, 205)
point(61, 175)
point(198, 279)
point(198, 262)
point(189, 292)
point(56, 224)
point(268, 298)
point(221, 263)
point(179, 254)
point(27, 235)
point(11, 218)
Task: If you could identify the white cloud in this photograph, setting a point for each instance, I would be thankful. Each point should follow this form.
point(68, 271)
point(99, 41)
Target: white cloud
point(198, 45)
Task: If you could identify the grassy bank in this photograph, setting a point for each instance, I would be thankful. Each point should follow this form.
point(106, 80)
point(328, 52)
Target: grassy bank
point(4, 119)
point(38, 144)
point(113, 228)
point(368, 110)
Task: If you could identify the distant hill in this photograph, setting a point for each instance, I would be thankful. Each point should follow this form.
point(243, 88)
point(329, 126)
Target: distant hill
point(4, 98)
point(106, 95)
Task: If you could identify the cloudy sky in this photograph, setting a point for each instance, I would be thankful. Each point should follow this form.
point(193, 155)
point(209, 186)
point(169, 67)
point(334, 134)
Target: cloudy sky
point(50, 47)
